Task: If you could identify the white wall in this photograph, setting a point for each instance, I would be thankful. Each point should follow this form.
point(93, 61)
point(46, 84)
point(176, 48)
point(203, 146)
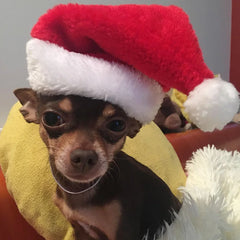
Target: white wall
point(211, 20)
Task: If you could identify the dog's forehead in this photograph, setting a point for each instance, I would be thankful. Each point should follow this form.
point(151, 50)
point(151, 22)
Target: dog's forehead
point(106, 109)
point(70, 102)
point(74, 103)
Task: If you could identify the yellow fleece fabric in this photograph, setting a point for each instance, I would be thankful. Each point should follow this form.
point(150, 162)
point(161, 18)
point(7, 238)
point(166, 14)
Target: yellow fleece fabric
point(24, 162)
point(179, 98)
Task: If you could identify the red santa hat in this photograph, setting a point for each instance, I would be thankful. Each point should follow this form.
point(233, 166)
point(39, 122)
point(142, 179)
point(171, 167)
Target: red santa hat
point(127, 55)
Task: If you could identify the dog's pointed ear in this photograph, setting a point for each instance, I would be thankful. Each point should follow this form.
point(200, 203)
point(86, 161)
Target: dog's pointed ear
point(133, 127)
point(28, 98)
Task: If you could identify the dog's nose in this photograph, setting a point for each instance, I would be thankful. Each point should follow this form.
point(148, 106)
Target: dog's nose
point(83, 159)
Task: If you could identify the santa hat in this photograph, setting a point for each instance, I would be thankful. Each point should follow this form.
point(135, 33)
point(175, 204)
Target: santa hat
point(127, 55)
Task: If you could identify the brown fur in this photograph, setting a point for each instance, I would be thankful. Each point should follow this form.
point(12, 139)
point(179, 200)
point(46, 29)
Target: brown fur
point(84, 138)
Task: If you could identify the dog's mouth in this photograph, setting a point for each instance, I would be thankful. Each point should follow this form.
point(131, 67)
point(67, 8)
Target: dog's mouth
point(71, 186)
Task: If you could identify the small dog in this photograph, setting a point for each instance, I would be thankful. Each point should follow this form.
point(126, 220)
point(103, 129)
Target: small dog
point(103, 192)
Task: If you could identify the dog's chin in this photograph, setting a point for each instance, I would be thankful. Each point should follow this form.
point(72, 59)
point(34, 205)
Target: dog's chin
point(74, 183)
point(78, 178)
point(74, 175)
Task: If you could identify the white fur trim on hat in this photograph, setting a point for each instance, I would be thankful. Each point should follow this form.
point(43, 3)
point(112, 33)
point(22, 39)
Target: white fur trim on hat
point(212, 104)
point(211, 199)
point(55, 71)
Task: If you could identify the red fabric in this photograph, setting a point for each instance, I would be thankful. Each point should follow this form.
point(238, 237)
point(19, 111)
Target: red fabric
point(186, 143)
point(235, 46)
point(156, 40)
point(12, 225)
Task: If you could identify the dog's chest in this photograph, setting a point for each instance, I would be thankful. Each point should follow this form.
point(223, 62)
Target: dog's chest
point(105, 218)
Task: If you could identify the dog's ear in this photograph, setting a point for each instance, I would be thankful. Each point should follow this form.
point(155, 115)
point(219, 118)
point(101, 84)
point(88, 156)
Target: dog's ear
point(133, 127)
point(28, 98)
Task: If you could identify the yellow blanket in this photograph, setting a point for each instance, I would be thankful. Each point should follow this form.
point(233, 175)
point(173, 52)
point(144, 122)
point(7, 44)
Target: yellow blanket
point(24, 162)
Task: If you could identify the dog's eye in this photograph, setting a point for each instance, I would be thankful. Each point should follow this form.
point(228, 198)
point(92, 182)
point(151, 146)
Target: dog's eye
point(52, 119)
point(116, 125)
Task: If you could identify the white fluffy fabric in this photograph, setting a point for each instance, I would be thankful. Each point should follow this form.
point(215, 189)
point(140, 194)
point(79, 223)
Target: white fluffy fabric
point(211, 198)
point(212, 104)
point(54, 71)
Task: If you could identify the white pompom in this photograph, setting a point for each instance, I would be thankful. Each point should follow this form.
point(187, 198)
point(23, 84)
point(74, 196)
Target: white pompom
point(212, 104)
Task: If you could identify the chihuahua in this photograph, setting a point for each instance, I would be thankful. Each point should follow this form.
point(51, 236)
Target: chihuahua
point(103, 192)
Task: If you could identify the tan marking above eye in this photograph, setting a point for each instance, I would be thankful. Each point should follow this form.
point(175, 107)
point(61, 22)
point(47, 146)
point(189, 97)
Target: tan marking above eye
point(109, 111)
point(66, 105)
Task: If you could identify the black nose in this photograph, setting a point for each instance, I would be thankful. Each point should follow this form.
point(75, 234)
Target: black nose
point(83, 159)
